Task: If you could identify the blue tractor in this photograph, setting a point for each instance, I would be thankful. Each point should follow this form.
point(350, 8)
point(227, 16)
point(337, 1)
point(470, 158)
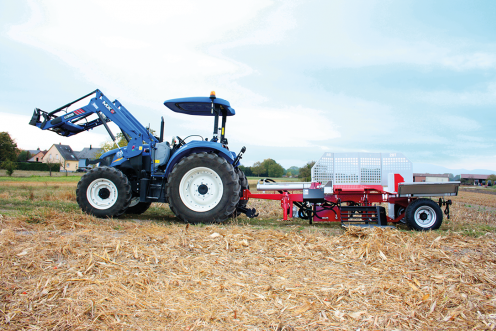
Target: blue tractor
point(199, 179)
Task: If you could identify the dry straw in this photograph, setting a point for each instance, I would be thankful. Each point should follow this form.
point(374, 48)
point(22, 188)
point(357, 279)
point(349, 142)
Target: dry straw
point(74, 272)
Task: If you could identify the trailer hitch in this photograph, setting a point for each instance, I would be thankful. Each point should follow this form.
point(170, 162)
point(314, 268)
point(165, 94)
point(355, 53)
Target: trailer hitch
point(249, 212)
point(446, 203)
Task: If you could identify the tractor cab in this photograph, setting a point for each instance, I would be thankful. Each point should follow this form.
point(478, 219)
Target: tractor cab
point(205, 106)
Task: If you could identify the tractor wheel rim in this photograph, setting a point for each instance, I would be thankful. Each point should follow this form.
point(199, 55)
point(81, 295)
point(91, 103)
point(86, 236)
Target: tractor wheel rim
point(134, 201)
point(102, 193)
point(201, 189)
point(425, 216)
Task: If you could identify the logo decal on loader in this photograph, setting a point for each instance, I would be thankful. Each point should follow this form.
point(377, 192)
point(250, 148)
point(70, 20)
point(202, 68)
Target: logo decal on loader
point(108, 107)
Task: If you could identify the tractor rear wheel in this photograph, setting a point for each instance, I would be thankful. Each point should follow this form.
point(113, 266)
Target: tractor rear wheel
point(103, 192)
point(423, 215)
point(203, 188)
point(243, 182)
point(137, 207)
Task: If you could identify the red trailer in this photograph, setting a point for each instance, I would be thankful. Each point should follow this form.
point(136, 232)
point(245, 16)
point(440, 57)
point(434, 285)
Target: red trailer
point(349, 188)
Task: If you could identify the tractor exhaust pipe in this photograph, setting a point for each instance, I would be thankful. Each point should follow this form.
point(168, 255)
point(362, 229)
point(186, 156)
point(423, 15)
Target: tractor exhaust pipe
point(162, 130)
point(240, 156)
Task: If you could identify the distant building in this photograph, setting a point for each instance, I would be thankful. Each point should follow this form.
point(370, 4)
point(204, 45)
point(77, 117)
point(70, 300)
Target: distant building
point(473, 179)
point(431, 178)
point(64, 155)
point(89, 154)
point(36, 155)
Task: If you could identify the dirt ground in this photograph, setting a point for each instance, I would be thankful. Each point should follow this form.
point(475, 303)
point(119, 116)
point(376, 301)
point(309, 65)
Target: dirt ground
point(63, 270)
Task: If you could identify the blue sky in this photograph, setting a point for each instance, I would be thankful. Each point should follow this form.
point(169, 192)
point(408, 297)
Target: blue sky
point(305, 77)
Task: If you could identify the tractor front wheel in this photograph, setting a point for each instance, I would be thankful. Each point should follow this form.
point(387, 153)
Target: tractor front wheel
point(203, 188)
point(103, 192)
point(423, 215)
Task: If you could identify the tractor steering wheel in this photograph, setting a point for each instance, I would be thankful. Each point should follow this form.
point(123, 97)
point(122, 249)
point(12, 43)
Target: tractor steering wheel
point(181, 142)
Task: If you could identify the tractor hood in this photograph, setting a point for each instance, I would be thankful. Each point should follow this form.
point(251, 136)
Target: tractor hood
point(198, 106)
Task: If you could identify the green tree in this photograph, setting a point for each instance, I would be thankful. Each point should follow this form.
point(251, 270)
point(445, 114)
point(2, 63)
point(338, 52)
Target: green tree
point(247, 170)
point(294, 170)
point(306, 171)
point(492, 178)
point(23, 156)
point(257, 168)
point(8, 148)
point(10, 166)
point(275, 170)
point(266, 164)
point(289, 174)
point(110, 145)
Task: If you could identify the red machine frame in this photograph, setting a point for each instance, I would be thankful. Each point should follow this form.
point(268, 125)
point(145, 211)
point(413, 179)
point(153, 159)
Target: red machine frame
point(364, 195)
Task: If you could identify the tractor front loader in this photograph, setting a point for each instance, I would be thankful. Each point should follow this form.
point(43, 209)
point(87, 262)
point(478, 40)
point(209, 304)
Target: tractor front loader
point(199, 179)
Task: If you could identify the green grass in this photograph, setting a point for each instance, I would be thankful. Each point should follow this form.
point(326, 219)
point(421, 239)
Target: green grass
point(13, 207)
point(32, 173)
point(41, 179)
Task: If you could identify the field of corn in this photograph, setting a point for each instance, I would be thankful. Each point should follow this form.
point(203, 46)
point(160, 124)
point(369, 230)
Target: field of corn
point(64, 270)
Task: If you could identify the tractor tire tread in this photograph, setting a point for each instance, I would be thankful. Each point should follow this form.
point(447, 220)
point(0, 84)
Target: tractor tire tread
point(232, 196)
point(123, 186)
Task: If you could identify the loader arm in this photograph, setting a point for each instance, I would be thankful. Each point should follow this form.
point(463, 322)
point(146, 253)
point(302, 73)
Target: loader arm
point(68, 123)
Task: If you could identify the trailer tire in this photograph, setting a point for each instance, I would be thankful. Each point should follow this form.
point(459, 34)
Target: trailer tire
point(398, 210)
point(423, 215)
point(104, 192)
point(137, 207)
point(203, 188)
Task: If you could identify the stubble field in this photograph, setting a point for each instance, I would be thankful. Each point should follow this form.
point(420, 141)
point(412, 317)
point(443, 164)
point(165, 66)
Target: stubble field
point(63, 270)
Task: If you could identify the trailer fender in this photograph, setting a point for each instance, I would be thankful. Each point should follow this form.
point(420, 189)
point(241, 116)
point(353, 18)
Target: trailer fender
point(198, 147)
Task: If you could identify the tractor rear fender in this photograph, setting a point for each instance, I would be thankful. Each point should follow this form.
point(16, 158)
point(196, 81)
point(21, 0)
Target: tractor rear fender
point(198, 147)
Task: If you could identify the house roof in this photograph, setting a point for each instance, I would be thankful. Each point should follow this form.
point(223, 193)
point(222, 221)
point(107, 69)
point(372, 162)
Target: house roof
point(38, 153)
point(431, 175)
point(89, 153)
point(33, 151)
point(66, 152)
point(470, 176)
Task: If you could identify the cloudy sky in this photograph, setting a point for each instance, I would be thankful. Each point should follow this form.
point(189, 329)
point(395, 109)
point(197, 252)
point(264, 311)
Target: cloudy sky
point(305, 77)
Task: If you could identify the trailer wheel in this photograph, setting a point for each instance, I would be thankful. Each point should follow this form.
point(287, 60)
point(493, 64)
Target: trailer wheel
point(137, 207)
point(398, 210)
point(203, 188)
point(423, 215)
point(103, 192)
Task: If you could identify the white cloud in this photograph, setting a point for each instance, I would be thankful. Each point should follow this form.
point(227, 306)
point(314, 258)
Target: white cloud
point(485, 96)
point(144, 51)
point(476, 60)
point(277, 127)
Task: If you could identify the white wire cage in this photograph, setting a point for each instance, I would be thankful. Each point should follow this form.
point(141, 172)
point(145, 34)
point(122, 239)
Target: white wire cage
point(361, 168)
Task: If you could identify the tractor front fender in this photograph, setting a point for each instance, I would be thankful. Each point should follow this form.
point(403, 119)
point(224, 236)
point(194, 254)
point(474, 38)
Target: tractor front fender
point(198, 147)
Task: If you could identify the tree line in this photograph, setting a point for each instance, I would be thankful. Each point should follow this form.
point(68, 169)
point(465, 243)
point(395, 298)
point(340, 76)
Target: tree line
point(270, 168)
point(11, 157)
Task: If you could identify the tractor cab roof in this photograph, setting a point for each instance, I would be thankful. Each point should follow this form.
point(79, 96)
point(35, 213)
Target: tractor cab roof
point(198, 106)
